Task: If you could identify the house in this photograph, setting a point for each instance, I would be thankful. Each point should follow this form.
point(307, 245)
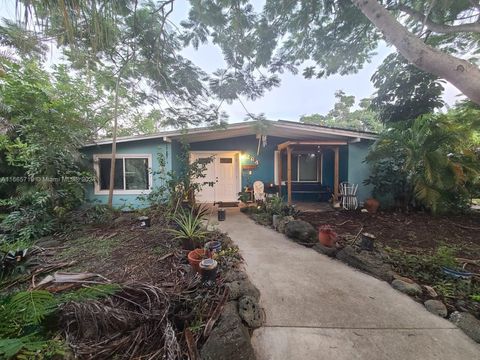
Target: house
point(304, 162)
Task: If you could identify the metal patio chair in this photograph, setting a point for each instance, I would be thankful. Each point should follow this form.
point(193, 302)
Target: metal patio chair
point(348, 193)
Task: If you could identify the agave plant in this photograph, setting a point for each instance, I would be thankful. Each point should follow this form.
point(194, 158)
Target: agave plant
point(190, 228)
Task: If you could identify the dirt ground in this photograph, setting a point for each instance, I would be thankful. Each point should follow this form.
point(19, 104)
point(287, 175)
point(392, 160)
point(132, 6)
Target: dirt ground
point(413, 233)
point(126, 254)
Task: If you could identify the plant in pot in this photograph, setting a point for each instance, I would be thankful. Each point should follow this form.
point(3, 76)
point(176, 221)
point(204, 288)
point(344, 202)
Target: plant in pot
point(327, 236)
point(191, 231)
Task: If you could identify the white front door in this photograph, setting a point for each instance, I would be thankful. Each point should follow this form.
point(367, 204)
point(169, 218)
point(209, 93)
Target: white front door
point(224, 172)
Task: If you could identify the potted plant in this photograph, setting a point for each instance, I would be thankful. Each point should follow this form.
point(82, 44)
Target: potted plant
point(327, 236)
point(371, 205)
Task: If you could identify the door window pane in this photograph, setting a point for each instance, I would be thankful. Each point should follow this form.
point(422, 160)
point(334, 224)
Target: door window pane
point(226, 160)
point(136, 174)
point(307, 167)
point(104, 167)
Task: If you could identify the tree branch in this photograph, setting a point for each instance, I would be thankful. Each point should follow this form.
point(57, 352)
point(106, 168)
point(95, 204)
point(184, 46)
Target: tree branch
point(438, 28)
point(460, 73)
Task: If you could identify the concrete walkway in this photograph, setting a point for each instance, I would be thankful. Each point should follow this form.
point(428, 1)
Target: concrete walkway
point(318, 308)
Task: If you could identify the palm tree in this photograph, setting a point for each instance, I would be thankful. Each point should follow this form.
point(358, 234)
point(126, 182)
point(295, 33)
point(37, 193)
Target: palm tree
point(438, 162)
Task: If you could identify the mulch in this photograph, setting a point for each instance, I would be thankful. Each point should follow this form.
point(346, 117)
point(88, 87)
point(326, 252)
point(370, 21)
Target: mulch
point(413, 233)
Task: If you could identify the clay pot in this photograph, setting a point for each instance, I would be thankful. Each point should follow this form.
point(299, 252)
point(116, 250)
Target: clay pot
point(327, 237)
point(195, 257)
point(371, 205)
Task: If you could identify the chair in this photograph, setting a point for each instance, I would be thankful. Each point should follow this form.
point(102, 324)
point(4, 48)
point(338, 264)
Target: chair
point(348, 192)
point(258, 191)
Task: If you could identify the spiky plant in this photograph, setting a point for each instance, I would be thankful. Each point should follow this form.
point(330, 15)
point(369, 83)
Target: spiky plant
point(190, 225)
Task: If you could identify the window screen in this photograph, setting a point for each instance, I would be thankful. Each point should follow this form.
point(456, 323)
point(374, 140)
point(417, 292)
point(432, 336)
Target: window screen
point(104, 166)
point(136, 174)
point(307, 167)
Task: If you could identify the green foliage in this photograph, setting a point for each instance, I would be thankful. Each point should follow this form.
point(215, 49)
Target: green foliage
point(427, 269)
point(433, 157)
point(180, 185)
point(404, 92)
point(89, 293)
point(343, 116)
point(445, 256)
point(25, 328)
point(190, 225)
point(43, 174)
point(390, 181)
point(319, 38)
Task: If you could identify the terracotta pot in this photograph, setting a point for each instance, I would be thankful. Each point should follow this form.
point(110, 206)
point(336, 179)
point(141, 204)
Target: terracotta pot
point(195, 257)
point(371, 205)
point(327, 238)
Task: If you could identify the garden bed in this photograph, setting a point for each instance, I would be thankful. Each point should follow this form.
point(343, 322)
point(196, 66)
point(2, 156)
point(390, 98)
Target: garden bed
point(415, 233)
point(148, 262)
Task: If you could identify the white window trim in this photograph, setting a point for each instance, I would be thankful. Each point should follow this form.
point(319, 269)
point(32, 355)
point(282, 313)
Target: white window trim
point(96, 167)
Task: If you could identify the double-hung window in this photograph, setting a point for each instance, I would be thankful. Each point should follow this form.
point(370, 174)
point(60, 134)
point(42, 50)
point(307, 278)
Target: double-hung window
point(132, 173)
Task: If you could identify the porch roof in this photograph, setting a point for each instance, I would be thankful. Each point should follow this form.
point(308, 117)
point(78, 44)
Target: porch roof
point(287, 129)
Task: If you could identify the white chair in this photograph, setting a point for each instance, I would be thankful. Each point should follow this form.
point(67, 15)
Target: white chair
point(258, 191)
point(348, 193)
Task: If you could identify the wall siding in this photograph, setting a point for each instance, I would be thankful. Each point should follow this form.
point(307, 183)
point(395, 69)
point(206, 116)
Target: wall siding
point(358, 169)
point(155, 147)
point(352, 167)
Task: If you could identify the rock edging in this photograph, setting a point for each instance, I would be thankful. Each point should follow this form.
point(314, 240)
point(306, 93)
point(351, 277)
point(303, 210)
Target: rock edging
point(230, 338)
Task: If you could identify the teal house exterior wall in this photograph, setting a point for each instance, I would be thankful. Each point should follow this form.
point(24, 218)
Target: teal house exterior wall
point(352, 167)
point(358, 169)
point(153, 147)
point(265, 171)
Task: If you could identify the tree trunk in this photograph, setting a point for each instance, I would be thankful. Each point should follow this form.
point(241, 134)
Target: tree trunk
point(460, 73)
point(114, 143)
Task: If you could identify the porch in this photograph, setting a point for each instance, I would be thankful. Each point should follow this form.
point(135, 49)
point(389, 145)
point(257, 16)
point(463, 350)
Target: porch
point(302, 167)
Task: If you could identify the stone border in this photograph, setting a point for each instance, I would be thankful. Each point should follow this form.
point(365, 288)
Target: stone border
point(373, 263)
point(230, 338)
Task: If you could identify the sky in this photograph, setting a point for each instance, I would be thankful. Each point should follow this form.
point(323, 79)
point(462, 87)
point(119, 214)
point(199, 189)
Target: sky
point(296, 96)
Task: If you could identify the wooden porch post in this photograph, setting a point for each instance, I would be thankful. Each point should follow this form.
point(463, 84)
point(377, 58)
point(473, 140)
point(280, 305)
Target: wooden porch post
point(336, 172)
point(289, 174)
point(279, 169)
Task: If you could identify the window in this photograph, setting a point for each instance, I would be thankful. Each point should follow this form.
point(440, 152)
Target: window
point(132, 173)
point(307, 167)
point(226, 160)
point(304, 167)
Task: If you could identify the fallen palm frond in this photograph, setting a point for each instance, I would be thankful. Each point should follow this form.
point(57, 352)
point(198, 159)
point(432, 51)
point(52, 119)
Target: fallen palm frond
point(133, 323)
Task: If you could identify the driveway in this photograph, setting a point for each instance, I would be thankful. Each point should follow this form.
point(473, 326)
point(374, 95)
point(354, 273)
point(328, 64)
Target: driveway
point(319, 308)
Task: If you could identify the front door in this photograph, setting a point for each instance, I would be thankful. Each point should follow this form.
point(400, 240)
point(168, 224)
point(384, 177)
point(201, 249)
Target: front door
point(223, 172)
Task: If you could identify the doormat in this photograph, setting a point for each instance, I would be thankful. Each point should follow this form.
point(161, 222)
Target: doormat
point(227, 204)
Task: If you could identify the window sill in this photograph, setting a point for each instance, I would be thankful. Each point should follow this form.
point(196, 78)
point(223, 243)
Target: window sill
point(124, 192)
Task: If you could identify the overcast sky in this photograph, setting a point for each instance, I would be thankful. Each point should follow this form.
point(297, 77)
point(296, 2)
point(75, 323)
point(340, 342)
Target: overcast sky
point(296, 96)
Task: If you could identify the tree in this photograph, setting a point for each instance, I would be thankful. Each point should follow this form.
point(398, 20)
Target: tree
point(134, 43)
point(39, 156)
point(434, 156)
point(404, 92)
point(342, 115)
point(339, 36)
